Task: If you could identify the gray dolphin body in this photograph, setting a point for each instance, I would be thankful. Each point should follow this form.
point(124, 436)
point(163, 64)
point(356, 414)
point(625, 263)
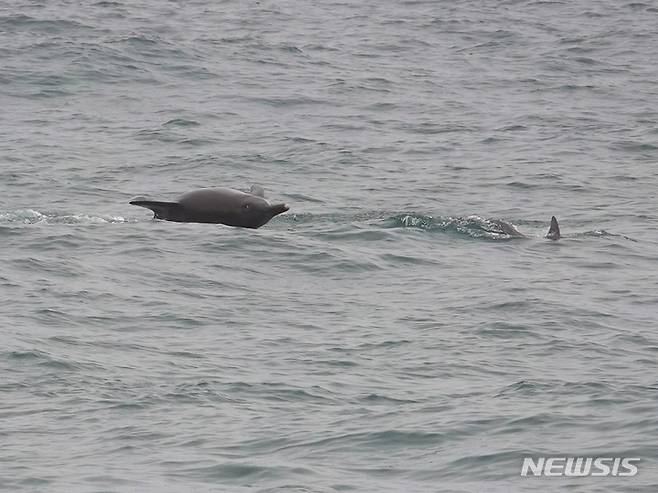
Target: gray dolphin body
point(217, 206)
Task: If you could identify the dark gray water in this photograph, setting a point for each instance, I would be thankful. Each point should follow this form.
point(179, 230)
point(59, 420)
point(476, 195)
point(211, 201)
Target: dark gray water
point(379, 337)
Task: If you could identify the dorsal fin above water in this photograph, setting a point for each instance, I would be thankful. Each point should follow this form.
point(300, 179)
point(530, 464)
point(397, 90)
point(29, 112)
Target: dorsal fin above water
point(257, 190)
point(554, 230)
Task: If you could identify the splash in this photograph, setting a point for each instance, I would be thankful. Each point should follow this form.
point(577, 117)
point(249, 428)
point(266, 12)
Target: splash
point(471, 226)
point(30, 216)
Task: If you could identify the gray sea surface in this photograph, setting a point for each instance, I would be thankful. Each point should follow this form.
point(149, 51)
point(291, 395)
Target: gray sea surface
point(381, 336)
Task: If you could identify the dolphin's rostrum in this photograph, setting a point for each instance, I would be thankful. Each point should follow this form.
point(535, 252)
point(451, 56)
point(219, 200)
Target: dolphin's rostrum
point(218, 206)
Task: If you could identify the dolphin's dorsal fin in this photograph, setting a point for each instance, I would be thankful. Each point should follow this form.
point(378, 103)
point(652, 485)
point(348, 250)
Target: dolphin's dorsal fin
point(554, 230)
point(257, 190)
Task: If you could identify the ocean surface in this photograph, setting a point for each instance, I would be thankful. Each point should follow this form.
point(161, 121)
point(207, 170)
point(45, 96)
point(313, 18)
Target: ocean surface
point(383, 335)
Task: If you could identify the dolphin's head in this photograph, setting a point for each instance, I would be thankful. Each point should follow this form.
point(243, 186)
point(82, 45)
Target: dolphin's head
point(256, 211)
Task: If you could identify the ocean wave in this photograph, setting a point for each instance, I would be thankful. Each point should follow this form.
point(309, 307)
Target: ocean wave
point(30, 216)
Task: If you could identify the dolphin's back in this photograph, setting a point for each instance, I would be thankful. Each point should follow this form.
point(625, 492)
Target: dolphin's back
point(212, 200)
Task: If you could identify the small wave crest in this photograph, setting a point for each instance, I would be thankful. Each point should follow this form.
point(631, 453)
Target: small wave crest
point(30, 216)
point(601, 233)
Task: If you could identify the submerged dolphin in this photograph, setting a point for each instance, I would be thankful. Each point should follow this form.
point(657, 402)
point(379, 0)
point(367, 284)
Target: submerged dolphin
point(509, 229)
point(218, 206)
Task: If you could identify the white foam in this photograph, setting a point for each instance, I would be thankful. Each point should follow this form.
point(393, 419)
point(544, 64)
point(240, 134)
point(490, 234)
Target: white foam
point(30, 216)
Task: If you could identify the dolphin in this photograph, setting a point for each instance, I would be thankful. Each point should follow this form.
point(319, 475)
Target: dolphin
point(554, 230)
point(506, 228)
point(510, 229)
point(217, 206)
